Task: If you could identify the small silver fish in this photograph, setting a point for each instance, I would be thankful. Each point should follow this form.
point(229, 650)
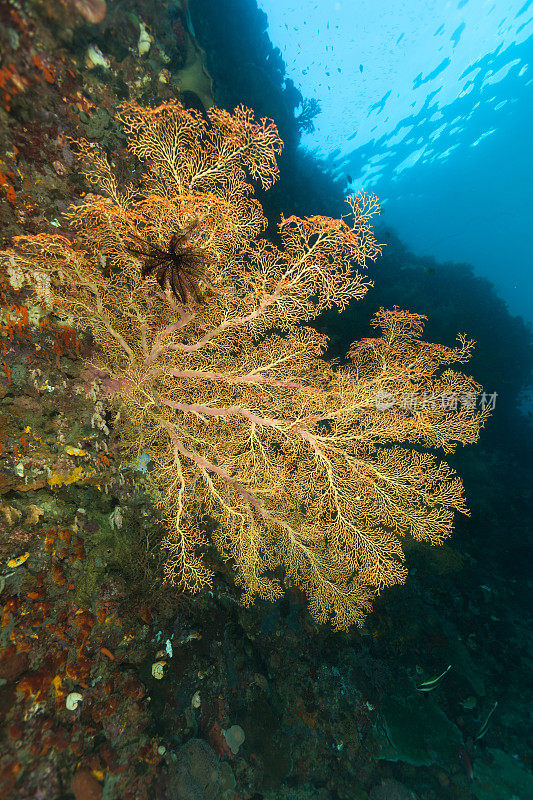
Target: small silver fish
point(428, 686)
point(484, 727)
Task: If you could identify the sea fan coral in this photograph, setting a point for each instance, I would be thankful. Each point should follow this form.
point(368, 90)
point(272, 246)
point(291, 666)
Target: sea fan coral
point(299, 472)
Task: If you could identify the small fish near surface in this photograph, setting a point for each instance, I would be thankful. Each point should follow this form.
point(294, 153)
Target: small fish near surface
point(429, 686)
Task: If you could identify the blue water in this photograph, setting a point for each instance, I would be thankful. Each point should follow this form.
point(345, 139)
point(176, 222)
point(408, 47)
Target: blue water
point(429, 104)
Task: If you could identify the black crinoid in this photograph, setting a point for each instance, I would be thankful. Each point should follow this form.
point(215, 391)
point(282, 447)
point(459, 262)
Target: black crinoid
point(180, 265)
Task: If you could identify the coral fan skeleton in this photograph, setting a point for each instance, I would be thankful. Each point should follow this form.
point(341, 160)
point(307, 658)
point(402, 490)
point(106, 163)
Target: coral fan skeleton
point(280, 459)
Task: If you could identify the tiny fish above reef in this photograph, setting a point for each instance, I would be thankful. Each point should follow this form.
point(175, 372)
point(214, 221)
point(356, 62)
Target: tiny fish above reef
point(428, 686)
point(484, 727)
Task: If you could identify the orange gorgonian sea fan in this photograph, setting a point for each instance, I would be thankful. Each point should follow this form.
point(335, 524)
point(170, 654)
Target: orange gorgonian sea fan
point(300, 472)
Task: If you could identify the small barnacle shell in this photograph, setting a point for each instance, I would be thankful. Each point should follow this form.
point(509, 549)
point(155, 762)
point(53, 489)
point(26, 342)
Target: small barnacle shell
point(158, 669)
point(73, 700)
point(95, 58)
point(145, 40)
point(196, 700)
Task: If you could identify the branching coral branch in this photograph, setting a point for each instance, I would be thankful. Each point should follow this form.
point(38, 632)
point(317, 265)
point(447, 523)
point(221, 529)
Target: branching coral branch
point(302, 469)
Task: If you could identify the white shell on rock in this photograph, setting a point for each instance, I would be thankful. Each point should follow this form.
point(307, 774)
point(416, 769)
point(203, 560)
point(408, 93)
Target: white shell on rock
point(158, 669)
point(95, 58)
point(145, 40)
point(73, 700)
point(196, 700)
